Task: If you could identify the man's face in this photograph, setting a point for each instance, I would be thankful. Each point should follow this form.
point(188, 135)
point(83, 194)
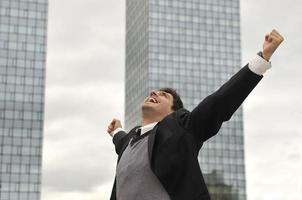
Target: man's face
point(158, 102)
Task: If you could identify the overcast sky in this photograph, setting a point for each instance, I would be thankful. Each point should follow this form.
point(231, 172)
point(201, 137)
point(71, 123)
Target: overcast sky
point(85, 90)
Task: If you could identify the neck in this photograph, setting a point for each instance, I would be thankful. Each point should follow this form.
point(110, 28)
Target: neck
point(150, 118)
point(148, 121)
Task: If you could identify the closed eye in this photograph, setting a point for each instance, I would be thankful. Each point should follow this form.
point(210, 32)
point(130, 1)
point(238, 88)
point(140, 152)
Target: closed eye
point(164, 94)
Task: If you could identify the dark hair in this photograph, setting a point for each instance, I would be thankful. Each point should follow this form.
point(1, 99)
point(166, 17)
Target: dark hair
point(177, 103)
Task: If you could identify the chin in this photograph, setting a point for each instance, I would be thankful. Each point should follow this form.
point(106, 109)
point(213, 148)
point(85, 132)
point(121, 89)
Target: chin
point(150, 109)
point(147, 106)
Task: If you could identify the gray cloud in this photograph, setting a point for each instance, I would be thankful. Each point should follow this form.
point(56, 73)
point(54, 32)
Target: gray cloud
point(80, 164)
point(84, 91)
point(89, 102)
point(274, 111)
point(85, 42)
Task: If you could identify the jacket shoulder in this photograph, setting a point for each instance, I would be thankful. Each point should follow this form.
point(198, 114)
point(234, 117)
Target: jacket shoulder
point(182, 117)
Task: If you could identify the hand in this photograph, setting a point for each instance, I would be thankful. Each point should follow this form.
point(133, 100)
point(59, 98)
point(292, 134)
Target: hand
point(271, 43)
point(115, 123)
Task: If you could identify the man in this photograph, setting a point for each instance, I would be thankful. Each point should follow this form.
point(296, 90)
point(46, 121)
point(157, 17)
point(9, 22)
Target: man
point(158, 160)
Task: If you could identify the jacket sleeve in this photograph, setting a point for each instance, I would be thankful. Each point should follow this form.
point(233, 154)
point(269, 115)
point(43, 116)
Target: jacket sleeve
point(118, 141)
point(206, 119)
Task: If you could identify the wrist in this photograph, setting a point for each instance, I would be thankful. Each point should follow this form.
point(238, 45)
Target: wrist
point(116, 131)
point(264, 56)
point(259, 65)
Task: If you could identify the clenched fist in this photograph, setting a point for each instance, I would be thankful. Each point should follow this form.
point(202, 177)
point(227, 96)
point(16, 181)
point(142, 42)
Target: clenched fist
point(271, 43)
point(115, 123)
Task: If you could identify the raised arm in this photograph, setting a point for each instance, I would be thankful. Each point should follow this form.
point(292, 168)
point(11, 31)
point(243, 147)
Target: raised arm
point(206, 119)
point(117, 133)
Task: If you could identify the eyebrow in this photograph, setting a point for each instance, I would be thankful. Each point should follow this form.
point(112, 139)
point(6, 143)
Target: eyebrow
point(164, 93)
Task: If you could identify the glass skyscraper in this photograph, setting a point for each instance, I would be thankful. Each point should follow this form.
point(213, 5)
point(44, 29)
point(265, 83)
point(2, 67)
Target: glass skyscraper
point(23, 25)
point(194, 47)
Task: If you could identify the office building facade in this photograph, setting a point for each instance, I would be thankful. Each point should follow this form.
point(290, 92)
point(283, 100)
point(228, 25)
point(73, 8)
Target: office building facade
point(23, 25)
point(194, 47)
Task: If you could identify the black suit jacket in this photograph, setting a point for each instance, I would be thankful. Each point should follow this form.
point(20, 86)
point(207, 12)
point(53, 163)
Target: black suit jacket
point(175, 141)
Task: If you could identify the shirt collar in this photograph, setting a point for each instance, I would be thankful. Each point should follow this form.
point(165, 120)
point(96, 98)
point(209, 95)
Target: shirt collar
point(148, 127)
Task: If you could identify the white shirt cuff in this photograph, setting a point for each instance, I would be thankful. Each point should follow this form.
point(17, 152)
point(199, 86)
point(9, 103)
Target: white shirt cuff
point(259, 65)
point(116, 131)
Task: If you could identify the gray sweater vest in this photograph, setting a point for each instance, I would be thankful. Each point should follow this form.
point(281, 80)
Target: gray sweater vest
point(134, 177)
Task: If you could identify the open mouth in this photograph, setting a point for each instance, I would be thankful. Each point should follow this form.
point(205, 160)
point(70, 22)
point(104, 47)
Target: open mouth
point(152, 100)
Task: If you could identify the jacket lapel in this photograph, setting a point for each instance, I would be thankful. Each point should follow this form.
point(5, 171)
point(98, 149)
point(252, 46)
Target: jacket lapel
point(130, 135)
point(151, 141)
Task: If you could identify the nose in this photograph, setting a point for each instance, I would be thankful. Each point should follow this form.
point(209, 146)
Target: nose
point(153, 93)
